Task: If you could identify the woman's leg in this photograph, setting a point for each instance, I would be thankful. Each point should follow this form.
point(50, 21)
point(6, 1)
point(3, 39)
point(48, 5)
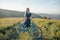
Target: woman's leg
point(27, 23)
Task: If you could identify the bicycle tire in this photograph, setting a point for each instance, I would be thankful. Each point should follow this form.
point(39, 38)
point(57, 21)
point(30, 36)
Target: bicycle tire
point(37, 33)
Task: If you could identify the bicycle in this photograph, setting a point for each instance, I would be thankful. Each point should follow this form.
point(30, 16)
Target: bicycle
point(35, 31)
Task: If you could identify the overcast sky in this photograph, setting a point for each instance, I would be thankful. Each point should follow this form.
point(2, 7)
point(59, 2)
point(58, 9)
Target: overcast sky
point(36, 6)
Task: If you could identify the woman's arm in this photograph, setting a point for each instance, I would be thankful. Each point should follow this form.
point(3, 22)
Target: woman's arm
point(24, 17)
point(31, 17)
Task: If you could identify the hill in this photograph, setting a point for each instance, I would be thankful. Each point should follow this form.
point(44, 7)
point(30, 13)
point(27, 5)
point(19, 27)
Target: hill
point(11, 13)
point(52, 16)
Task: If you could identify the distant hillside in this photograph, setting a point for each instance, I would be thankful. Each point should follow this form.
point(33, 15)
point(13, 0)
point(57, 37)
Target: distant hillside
point(10, 13)
point(52, 16)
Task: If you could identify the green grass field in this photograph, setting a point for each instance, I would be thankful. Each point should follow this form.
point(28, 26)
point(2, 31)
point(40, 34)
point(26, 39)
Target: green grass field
point(50, 28)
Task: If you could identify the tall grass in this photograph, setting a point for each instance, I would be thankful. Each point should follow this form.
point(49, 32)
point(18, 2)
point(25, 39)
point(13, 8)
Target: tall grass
point(50, 28)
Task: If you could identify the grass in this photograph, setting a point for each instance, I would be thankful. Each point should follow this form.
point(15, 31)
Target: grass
point(50, 28)
point(4, 22)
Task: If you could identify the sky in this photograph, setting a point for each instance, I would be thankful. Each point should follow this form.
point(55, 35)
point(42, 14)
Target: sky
point(36, 6)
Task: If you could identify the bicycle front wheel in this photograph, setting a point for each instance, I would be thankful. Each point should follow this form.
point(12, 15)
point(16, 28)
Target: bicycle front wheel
point(37, 33)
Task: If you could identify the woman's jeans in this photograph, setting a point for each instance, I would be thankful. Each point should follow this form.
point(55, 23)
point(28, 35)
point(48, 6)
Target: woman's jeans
point(27, 22)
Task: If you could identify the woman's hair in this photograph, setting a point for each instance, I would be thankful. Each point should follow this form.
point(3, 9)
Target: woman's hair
point(27, 10)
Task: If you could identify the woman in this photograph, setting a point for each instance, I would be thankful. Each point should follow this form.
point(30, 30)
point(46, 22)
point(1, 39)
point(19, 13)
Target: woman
point(27, 17)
